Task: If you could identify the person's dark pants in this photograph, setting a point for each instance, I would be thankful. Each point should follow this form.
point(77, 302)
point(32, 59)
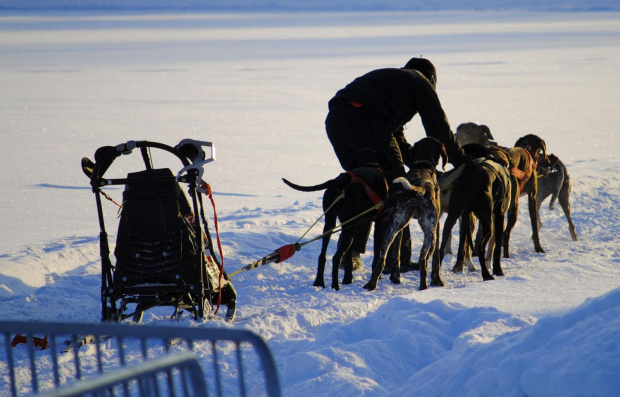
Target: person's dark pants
point(352, 129)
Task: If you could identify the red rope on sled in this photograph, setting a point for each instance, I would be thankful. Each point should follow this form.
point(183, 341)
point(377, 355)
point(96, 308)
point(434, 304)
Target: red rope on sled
point(39, 343)
point(219, 245)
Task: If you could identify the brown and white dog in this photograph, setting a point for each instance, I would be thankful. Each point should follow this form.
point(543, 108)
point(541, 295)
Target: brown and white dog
point(417, 197)
point(365, 188)
point(557, 184)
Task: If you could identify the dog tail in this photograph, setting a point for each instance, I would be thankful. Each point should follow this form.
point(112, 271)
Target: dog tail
point(557, 187)
point(408, 186)
point(314, 188)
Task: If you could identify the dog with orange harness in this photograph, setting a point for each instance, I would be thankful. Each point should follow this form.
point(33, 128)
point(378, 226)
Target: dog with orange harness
point(354, 197)
point(524, 181)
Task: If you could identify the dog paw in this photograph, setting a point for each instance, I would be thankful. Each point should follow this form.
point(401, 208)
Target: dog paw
point(540, 250)
point(395, 279)
point(457, 269)
point(336, 287)
point(370, 286)
point(488, 277)
point(318, 283)
point(437, 283)
point(347, 280)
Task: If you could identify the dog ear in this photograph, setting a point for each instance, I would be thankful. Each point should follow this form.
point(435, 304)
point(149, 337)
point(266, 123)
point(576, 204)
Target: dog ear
point(487, 131)
point(519, 141)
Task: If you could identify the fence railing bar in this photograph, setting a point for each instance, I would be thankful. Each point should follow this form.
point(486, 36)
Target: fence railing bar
point(76, 356)
point(216, 369)
point(33, 364)
point(116, 335)
point(99, 358)
point(143, 348)
point(121, 350)
point(143, 372)
point(9, 356)
point(240, 369)
point(55, 366)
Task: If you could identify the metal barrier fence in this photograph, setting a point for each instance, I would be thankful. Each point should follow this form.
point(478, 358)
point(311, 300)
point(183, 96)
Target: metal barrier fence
point(41, 357)
point(154, 377)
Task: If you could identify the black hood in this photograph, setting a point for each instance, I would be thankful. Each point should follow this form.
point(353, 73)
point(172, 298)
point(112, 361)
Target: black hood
point(425, 67)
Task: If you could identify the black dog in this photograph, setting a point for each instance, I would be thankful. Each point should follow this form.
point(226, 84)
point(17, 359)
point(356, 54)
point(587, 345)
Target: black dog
point(556, 184)
point(418, 198)
point(484, 190)
point(363, 188)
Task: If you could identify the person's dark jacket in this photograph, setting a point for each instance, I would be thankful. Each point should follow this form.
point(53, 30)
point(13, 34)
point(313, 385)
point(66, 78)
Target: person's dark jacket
point(395, 96)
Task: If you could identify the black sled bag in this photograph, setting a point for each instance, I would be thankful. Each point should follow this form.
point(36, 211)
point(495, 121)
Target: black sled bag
point(155, 242)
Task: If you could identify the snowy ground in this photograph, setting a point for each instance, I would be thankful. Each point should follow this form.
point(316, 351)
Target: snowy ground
point(257, 85)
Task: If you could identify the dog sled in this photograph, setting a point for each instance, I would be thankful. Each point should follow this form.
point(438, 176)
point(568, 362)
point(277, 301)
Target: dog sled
point(164, 251)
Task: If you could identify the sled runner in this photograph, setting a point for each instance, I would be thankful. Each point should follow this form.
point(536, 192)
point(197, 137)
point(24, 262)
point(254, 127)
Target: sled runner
point(164, 251)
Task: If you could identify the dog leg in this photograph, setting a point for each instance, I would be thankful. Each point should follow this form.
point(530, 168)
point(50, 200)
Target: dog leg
point(490, 249)
point(348, 268)
point(531, 204)
point(336, 264)
point(469, 251)
point(428, 224)
point(447, 234)
point(512, 220)
point(371, 285)
point(424, 265)
point(436, 280)
point(485, 225)
point(538, 205)
point(319, 281)
point(386, 234)
point(565, 203)
point(330, 223)
point(344, 245)
point(498, 226)
point(378, 262)
point(393, 257)
point(448, 249)
point(460, 256)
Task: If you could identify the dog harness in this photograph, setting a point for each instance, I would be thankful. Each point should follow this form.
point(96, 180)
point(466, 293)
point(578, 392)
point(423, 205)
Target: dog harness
point(524, 175)
point(370, 192)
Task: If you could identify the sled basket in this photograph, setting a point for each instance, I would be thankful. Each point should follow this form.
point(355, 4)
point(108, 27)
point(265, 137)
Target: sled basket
point(163, 255)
